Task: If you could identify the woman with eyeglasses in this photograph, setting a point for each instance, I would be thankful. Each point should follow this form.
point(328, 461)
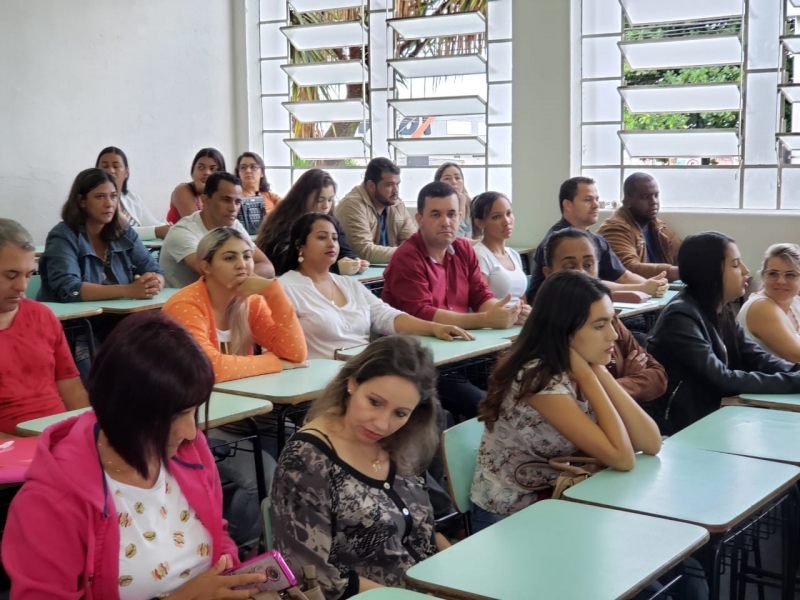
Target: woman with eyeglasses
point(250, 169)
point(772, 316)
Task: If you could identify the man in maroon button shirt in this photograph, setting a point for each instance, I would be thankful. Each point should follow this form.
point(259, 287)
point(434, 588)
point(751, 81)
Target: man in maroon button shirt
point(435, 276)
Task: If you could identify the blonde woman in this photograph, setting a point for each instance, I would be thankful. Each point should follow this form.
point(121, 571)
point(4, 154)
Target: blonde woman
point(772, 316)
point(347, 496)
point(229, 309)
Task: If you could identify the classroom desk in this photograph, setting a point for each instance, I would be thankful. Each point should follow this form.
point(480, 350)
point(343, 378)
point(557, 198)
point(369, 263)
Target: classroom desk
point(223, 409)
point(38, 251)
point(746, 431)
point(790, 402)
point(391, 594)
point(526, 253)
point(371, 275)
point(286, 390)
point(154, 244)
point(73, 310)
point(444, 352)
point(676, 285)
point(628, 309)
point(713, 490)
point(124, 306)
point(557, 549)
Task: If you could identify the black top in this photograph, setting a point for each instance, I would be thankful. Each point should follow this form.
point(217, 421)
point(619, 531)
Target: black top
point(702, 369)
point(609, 267)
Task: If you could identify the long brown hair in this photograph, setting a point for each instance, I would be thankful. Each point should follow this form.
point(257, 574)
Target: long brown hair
point(467, 206)
point(75, 217)
point(413, 445)
point(561, 308)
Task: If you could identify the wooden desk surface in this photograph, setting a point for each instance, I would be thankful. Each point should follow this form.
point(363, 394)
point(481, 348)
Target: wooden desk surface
point(529, 554)
point(73, 310)
point(127, 305)
point(789, 402)
point(711, 489)
point(747, 431)
point(287, 387)
point(223, 410)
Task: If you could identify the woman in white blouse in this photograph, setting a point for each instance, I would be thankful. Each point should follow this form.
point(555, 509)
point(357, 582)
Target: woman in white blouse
point(772, 316)
point(114, 162)
point(337, 311)
point(501, 267)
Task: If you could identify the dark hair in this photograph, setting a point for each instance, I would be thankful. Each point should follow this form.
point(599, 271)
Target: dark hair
point(209, 153)
point(569, 189)
point(300, 231)
point(148, 371)
point(377, 167)
point(560, 309)
point(554, 240)
point(263, 184)
point(701, 262)
point(481, 205)
point(121, 154)
point(630, 183)
point(443, 167)
point(435, 189)
point(213, 181)
point(75, 217)
point(413, 445)
point(273, 233)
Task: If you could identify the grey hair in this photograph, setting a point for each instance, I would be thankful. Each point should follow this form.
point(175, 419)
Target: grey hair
point(238, 310)
point(788, 252)
point(413, 445)
point(15, 234)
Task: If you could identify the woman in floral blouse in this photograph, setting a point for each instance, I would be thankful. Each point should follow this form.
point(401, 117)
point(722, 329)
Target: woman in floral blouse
point(551, 395)
point(347, 497)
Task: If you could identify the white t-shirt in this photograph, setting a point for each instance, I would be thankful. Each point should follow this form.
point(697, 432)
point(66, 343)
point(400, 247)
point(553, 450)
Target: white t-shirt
point(162, 543)
point(143, 221)
point(328, 327)
point(181, 241)
point(502, 281)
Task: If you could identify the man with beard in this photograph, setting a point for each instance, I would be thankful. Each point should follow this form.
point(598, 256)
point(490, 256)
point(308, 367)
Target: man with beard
point(373, 217)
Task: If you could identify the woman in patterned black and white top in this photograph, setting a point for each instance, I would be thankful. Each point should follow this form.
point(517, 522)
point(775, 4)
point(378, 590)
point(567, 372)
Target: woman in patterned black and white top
point(552, 395)
point(347, 496)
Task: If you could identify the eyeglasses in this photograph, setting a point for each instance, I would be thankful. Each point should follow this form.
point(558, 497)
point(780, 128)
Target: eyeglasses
point(249, 168)
point(773, 275)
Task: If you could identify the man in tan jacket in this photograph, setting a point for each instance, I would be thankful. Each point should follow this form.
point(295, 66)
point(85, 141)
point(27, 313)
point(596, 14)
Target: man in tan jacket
point(373, 217)
point(644, 243)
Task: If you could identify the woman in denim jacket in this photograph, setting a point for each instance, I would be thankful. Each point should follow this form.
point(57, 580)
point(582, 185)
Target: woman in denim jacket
point(93, 254)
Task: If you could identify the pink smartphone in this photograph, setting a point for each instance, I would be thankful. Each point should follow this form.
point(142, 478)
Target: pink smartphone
point(271, 564)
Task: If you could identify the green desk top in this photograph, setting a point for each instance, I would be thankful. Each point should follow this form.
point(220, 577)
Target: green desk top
point(710, 489)
point(73, 310)
point(444, 352)
point(391, 594)
point(38, 250)
point(629, 309)
point(748, 431)
point(557, 549)
point(223, 409)
point(154, 244)
point(780, 401)
point(127, 305)
point(373, 273)
point(676, 285)
point(287, 387)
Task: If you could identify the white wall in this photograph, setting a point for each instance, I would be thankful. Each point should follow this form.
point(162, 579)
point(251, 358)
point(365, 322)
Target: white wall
point(154, 77)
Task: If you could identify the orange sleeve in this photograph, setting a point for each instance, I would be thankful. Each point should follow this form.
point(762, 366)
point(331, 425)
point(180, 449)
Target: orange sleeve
point(275, 325)
point(190, 314)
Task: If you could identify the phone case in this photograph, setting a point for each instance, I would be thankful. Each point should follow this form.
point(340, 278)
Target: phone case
point(279, 576)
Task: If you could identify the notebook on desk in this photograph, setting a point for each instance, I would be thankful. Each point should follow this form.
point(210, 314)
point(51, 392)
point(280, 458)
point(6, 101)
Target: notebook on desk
point(15, 458)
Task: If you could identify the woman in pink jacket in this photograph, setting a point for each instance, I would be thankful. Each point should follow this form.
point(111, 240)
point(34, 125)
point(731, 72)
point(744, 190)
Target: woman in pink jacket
point(125, 501)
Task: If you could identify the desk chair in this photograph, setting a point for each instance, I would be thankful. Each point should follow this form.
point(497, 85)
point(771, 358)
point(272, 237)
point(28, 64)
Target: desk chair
point(34, 285)
point(460, 453)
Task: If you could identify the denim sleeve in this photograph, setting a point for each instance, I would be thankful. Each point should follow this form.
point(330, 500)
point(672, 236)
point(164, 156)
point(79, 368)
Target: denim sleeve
point(141, 258)
point(61, 271)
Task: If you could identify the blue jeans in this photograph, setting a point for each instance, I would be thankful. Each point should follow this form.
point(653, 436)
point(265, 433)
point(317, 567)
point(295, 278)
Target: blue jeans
point(482, 518)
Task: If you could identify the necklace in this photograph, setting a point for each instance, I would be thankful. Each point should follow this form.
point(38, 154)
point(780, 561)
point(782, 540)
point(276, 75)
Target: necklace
point(332, 294)
point(376, 464)
point(108, 462)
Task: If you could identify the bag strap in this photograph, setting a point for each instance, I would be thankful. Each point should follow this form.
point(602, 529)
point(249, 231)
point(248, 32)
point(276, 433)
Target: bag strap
point(560, 463)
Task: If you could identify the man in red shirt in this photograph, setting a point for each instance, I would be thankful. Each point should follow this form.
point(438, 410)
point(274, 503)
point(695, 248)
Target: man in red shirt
point(435, 276)
point(38, 376)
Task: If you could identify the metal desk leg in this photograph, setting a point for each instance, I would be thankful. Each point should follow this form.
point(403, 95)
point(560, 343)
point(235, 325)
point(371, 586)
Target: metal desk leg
point(258, 460)
point(89, 337)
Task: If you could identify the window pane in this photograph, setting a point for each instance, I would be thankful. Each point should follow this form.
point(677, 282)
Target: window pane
point(499, 145)
point(276, 153)
point(790, 188)
point(695, 187)
point(500, 61)
point(500, 180)
point(273, 43)
point(273, 79)
point(761, 120)
point(682, 98)
point(272, 10)
point(760, 188)
point(600, 145)
point(601, 101)
point(601, 16)
point(500, 103)
point(693, 51)
point(273, 114)
point(649, 11)
point(601, 58)
point(763, 30)
point(499, 18)
point(608, 185)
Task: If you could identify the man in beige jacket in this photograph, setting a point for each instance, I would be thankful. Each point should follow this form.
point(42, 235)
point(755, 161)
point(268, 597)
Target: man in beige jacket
point(373, 217)
point(643, 242)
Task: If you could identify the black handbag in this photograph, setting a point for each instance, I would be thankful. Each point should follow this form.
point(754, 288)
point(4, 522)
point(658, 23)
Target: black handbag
point(251, 213)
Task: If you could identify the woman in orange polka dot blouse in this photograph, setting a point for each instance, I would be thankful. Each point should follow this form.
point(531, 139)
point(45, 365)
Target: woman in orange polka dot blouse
point(229, 309)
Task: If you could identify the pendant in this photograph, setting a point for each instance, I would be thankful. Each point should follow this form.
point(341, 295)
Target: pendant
point(376, 465)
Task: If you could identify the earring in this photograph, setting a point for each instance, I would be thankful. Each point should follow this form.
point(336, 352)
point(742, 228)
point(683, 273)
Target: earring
point(349, 391)
point(300, 258)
